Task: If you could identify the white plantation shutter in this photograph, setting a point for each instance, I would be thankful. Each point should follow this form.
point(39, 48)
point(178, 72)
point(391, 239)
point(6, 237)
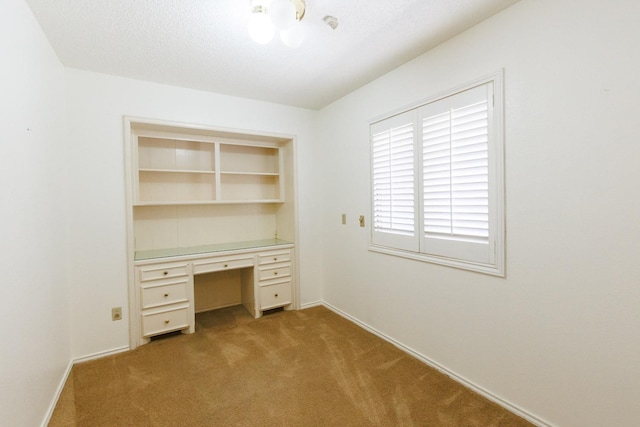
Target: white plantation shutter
point(437, 176)
point(455, 153)
point(455, 175)
point(393, 174)
point(393, 180)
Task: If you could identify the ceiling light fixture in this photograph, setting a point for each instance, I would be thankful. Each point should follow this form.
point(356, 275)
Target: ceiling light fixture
point(260, 27)
point(267, 16)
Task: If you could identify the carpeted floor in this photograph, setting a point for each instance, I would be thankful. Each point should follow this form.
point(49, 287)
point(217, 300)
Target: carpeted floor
point(289, 368)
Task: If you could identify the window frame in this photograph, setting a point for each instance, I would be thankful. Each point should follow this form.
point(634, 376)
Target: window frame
point(494, 262)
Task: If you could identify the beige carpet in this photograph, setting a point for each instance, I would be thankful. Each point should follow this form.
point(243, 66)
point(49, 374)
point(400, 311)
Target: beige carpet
point(290, 368)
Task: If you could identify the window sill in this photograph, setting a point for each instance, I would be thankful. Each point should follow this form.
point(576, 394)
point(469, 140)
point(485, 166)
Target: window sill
point(490, 269)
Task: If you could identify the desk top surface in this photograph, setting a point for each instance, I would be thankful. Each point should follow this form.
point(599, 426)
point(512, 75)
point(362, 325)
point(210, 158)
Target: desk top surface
point(203, 249)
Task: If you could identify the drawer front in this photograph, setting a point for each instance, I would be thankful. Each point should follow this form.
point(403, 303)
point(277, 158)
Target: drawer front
point(166, 321)
point(153, 296)
point(161, 272)
point(279, 270)
point(274, 257)
point(275, 281)
point(275, 295)
point(222, 264)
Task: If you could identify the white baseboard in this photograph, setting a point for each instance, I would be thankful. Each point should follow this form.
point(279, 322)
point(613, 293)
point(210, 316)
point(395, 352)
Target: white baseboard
point(311, 304)
point(458, 378)
point(65, 377)
point(101, 354)
point(57, 394)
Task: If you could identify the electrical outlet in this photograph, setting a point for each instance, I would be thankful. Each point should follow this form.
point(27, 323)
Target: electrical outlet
point(116, 313)
point(361, 220)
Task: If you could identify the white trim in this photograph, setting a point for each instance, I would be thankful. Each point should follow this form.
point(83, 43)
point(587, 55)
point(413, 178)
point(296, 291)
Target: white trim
point(101, 354)
point(65, 377)
point(130, 197)
point(311, 304)
point(454, 376)
point(447, 262)
point(56, 396)
point(296, 219)
point(440, 95)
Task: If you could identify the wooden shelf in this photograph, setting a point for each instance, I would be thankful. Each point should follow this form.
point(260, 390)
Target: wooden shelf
point(251, 173)
point(208, 202)
point(176, 171)
point(173, 170)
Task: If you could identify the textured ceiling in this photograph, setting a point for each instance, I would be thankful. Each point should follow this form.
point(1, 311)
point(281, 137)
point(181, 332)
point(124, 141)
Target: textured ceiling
point(204, 44)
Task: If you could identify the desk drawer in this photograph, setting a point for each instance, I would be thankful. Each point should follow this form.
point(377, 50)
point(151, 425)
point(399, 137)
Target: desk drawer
point(166, 321)
point(275, 295)
point(207, 266)
point(280, 270)
point(163, 271)
point(274, 257)
point(170, 293)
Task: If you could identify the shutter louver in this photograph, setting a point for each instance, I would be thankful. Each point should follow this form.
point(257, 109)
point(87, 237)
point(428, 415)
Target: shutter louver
point(393, 180)
point(455, 173)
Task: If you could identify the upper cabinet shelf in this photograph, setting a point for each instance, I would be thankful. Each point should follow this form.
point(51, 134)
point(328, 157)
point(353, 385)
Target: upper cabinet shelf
point(185, 170)
point(172, 170)
point(249, 160)
point(169, 154)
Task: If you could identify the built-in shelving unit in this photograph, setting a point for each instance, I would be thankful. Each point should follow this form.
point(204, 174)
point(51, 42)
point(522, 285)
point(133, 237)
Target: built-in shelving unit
point(195, 169)
point(202, 200)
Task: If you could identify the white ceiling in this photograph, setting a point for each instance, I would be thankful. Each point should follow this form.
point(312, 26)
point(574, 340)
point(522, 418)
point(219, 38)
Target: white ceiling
point(204, 44)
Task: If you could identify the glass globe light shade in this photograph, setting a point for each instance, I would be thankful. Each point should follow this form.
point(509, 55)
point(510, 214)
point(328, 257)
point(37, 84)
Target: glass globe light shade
point(282, 13)
point(294, 36)
point(260, 27)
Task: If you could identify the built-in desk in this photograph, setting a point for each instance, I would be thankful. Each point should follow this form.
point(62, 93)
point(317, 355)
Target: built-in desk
point(164, 281)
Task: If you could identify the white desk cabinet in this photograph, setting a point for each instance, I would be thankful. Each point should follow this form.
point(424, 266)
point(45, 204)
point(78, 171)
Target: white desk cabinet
point(165, 294)
point(274, 278)
point(165, 285)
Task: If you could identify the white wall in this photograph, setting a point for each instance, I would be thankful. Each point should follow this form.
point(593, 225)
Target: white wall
point(560, 336)
point(36, 347)
point(97, 104)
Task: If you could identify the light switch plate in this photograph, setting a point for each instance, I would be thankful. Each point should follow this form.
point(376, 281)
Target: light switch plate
point(361, 220)
point(344, 219)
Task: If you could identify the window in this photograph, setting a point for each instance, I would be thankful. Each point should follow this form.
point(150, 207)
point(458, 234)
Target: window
point(437, 180)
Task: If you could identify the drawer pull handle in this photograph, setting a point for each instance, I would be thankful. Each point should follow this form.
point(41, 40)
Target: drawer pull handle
point(226, 265)
point(276, 295)
point(166, 322)
point(275, 273)
point(166, 295)
point(275, 258)
point(165, 273)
